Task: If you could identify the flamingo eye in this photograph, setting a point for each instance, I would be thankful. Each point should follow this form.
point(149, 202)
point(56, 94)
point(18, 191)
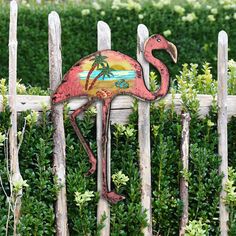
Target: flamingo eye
point(158, 40)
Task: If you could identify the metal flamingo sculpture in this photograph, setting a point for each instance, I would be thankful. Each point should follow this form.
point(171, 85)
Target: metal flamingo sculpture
point(104, 75)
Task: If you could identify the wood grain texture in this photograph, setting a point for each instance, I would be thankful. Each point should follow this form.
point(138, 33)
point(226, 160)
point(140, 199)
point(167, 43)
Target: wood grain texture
point(183, 182)
point(15, 175)
point(59, 155)
point(12, 88)
point(103, 42)
point(222, 124)
point(144, 134)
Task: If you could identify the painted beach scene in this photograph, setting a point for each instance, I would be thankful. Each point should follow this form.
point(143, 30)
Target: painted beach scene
point(106, 74)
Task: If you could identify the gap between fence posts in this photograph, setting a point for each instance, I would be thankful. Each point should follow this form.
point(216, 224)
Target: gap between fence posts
point(15, 175)
point(103, 42)
point(222, 124)
point(183, 180)
point(59, 146)
point(144, 134)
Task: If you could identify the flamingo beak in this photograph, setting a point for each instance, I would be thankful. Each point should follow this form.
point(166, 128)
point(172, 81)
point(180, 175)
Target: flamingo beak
point(172, 50)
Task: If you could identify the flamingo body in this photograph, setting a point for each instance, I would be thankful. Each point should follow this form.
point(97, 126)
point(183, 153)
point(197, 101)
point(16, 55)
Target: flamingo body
point(126, 78)
point(104, 75)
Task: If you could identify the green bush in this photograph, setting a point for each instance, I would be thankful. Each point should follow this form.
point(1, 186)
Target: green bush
point(196, 39)
point(126, 217)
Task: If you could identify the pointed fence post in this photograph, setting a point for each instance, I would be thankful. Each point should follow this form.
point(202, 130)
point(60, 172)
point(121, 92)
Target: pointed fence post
point(222, 124)
point(59, 156)
point(144, 134)
point(183, 182)
point(104, 42)
point(13, 149)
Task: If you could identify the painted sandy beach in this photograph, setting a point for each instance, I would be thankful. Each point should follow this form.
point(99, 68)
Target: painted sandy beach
point(110, 85)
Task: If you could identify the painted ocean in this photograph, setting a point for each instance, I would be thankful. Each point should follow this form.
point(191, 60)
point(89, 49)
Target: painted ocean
point(117, 75)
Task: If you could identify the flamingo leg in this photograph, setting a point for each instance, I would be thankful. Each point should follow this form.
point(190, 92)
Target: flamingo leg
point(111, 197)
point(86, 146)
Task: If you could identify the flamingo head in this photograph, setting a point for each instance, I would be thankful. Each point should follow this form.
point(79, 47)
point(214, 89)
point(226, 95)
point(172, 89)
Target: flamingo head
point(158, 42)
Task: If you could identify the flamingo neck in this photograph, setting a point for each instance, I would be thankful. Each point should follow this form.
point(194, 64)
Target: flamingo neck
point(162, 91)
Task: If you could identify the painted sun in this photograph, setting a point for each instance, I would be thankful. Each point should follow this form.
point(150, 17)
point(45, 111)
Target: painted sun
point(117, 67)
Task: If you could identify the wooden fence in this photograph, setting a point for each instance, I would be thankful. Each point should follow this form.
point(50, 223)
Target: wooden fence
point(19, 103)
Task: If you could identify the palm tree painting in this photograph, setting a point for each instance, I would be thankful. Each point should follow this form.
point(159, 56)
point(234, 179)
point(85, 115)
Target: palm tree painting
point(105, 71)
point(98, 60)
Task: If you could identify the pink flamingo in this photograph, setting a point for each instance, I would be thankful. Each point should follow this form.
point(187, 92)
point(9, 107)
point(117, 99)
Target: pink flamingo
point(105, 86)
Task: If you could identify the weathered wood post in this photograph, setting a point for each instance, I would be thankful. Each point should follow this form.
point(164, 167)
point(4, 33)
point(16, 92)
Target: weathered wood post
point(59, 156)
point(183, 181)
point(144, 134)
point(103, 42)
point(13, 149)
point(222, 124)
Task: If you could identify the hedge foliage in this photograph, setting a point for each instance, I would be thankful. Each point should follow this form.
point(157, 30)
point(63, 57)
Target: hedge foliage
point(194, 31)
point(126, 217)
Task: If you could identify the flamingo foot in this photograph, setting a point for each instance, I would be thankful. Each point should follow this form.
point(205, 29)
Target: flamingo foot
point(93, 162)
point(91, 170)
point(112, 197)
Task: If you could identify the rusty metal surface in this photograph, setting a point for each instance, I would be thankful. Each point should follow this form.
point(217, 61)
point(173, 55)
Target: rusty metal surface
point(104, 75)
